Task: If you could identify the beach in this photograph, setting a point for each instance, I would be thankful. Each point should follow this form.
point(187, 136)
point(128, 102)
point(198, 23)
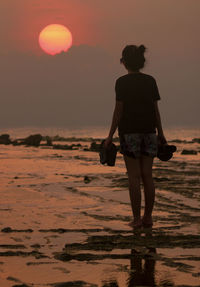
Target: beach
point(64, 216)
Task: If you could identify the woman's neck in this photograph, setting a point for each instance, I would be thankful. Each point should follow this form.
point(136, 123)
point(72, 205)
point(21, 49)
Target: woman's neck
point(133, 72)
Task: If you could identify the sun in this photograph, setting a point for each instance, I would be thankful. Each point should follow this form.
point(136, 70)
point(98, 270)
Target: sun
point(55, 38)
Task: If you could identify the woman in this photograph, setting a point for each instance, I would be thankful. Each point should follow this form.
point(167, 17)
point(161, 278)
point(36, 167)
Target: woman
point(137, 117)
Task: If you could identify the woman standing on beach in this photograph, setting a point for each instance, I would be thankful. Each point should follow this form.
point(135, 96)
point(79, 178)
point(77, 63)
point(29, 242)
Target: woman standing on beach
point(137, 117)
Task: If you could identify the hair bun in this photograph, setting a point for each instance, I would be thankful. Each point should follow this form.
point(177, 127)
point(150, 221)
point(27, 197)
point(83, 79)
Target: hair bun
point(133, 57)
point(142, 49)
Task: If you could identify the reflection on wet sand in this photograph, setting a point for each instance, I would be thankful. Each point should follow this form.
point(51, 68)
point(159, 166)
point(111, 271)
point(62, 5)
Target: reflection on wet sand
point(142, 274)
point(64, 221)
point(112, 283)
point(142, 268)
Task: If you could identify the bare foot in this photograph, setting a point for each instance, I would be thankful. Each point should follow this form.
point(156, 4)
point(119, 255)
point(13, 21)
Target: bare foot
point(147, 221)
point(135, 223)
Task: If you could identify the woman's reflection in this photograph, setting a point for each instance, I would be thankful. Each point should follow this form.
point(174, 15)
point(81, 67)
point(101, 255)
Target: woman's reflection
point(142, 275)
point(142, 266)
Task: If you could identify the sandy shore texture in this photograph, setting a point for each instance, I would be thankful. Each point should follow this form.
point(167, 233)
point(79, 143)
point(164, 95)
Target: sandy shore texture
point(64, 221)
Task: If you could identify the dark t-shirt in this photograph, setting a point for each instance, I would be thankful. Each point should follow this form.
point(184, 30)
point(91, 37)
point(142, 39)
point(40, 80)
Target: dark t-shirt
point(138, 92)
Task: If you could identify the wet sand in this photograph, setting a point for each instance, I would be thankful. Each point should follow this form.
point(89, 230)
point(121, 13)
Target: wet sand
point(59, 229)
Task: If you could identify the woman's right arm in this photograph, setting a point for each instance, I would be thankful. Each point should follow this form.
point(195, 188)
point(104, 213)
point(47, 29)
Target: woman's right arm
point(115, 121)
point(161, 137)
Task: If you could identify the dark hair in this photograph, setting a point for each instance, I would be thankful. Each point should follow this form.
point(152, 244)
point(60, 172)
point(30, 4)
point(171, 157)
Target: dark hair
point(133, 57)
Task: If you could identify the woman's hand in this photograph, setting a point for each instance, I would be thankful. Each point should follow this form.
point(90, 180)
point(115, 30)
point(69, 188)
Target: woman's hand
point(108, 142)
point(161, 139)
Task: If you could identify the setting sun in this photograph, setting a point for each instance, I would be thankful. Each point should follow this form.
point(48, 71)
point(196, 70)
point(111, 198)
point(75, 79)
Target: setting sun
point(54, 39)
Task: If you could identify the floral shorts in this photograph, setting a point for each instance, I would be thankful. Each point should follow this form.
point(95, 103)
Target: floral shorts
point(137, 144)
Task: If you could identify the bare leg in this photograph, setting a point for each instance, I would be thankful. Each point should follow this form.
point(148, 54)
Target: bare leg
point(149, 189)
point(134, 176)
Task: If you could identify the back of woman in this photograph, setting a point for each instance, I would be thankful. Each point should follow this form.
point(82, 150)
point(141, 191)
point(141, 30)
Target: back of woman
point(137, 118)
point(138, 92)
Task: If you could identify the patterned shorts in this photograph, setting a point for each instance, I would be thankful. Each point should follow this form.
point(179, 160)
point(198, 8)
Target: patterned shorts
point(137, 144)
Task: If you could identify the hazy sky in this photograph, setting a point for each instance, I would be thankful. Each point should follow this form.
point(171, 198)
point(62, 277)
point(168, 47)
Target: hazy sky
point(77, 88)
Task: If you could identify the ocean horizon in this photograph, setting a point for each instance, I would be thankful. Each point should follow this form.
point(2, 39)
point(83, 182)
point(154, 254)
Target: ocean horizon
point(184, 133)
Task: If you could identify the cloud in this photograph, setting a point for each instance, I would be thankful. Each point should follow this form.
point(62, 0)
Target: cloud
point(69, 89)
point(77, 88)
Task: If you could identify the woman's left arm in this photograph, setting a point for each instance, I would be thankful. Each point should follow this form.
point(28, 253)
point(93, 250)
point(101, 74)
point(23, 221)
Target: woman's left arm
point(115, 121)
point(161, 137)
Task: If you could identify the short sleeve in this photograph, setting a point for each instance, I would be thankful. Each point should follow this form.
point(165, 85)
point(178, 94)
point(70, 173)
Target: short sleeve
point(118, 91)
point(155, 91)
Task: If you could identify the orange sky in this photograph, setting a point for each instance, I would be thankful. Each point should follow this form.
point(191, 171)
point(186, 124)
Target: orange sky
point(159, 23)
point(25, 19)
point(168, 28)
